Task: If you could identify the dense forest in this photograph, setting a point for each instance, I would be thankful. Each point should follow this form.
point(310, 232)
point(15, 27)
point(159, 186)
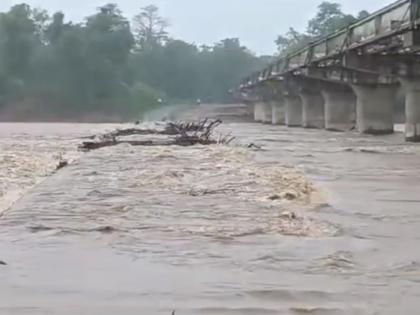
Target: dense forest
point(108, 66)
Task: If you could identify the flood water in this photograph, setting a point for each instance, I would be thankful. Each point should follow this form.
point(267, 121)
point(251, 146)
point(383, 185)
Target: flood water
point(148, 230)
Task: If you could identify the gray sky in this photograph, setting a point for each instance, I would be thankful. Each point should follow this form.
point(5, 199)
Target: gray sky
point(255, 22)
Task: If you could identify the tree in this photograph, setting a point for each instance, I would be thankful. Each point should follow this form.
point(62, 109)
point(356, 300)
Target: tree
point(224, 66)
point(51, 67)
point(329, 19)
point(55, 29)
point(291, 41)
point(363, 14)
point(150, 28)
point(109, 43)
point(180, 61)
point(40, 18)
point(17, 40)
point(109, 34)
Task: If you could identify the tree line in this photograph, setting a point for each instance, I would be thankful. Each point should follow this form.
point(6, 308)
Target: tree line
point(108, 65)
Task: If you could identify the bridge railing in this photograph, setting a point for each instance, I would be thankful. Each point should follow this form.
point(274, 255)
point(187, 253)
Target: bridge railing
point(392, 20)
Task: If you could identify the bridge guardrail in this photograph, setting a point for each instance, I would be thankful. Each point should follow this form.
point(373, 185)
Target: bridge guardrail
point(395, 19)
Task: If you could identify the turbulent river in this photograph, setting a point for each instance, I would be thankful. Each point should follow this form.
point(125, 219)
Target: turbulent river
point(315, 222)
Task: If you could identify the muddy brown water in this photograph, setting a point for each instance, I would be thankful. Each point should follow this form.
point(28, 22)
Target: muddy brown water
point(127, 230)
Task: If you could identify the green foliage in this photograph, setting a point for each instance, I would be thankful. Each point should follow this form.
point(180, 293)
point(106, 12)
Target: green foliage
point(327, 20)
point(228, 63)
point(143, 97)
point(17, 41)
point(150, 28)
point(291, 41)
point(109, 66)
point(363, 14)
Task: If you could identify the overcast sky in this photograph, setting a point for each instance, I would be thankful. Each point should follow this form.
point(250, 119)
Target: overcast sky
point(255, 22)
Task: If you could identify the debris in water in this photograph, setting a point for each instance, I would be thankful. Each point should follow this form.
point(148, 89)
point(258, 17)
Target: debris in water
point(39, 228)
point(274, 197)
point(62, 164)
point(2, 263)
point(186, 134)
point(105, 229)
point(369, 151)
point(288, 195)
point(288, 215)
point(204, 192)
point(170, 129)
point(254, 146)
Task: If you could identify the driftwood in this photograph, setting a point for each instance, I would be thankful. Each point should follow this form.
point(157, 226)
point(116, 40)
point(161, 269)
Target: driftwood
point(171, 129)
point(183, 134)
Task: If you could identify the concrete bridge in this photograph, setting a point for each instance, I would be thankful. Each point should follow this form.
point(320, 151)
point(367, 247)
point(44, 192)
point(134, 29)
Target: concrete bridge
point(349, 79)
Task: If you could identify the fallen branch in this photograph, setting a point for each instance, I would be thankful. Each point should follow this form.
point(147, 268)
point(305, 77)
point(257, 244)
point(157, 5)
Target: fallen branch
point(170, 129)
point(186, 134)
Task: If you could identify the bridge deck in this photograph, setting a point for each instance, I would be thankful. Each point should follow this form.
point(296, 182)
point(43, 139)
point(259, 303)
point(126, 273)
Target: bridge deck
point(389, 30)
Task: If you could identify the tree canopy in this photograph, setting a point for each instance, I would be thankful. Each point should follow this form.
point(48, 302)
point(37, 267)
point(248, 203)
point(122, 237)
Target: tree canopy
point(111, 66)
point(328, 19)
point(108, 64)
point(150, 28)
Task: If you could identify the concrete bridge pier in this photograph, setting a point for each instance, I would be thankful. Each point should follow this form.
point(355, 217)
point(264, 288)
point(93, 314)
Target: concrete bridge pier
point(249, 109)
point(412, 109)
point(340, 108)
point(268, 113)
point(312, 109)
point(263, 112)
point(259, 111)
point(278, 111)
point(293, 110)
point(375, 108)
